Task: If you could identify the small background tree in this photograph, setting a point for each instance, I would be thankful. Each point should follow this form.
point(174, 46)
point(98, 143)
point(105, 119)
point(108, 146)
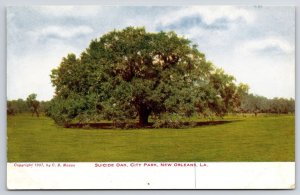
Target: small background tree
point(33, 104)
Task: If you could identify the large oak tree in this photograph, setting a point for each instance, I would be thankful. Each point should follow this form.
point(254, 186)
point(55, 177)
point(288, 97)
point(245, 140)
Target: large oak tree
point(132, 73)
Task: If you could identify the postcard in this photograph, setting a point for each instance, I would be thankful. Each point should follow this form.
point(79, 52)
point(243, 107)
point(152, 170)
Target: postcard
point(150, 97)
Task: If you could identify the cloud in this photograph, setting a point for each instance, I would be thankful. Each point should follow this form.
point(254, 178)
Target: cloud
point(266, 64)
point(256, 52)
point(269, 45)
point(207, 16)
point(31, 73)
point(64, 32)
point(68, 11)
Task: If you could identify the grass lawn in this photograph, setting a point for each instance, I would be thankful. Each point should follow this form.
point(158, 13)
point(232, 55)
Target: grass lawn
point(262, 138)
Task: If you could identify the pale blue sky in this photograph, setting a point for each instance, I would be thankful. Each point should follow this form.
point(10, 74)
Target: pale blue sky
point(255, 44)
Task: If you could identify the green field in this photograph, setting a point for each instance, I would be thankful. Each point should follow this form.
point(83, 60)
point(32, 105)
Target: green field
point(262, 138)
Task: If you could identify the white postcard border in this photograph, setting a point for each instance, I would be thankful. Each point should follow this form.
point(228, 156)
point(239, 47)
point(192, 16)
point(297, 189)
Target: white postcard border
point(151, 175)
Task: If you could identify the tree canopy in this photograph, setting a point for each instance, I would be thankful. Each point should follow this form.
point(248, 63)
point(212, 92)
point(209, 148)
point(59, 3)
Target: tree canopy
point(130, 73)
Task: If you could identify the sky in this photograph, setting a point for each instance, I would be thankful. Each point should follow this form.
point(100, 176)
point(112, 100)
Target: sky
point(255, 44)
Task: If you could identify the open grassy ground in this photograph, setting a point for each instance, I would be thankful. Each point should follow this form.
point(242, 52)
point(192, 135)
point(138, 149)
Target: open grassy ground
point(263, 138)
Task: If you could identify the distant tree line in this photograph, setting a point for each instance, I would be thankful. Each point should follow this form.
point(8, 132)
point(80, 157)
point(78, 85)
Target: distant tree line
point(31, 104)
point(259, 104)
point(250, 104)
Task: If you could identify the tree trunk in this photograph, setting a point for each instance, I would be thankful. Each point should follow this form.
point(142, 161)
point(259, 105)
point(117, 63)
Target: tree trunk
point(37, 113)
point(143, 117)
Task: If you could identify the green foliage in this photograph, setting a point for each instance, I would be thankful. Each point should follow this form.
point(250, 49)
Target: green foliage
point(21, 106)
point(254, 104)
point(169, 121)
point(225, 95)
point(133, 73)
point(44, 106)
point(17, 106)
